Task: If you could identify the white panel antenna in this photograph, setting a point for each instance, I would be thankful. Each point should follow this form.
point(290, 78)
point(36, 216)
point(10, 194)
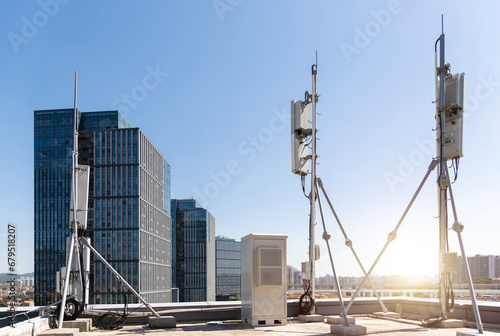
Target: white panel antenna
point(300, 119)
point(454, 90)
point(300, 130)
point(82, 197)
point(454, 137)
point(454, 126)
point(300, 165)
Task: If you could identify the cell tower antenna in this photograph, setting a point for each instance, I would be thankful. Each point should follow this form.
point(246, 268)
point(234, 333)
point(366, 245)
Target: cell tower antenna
point(304, 126)
point(76, 223)
point(74, 233)
point(312, 218)
point(445, 112)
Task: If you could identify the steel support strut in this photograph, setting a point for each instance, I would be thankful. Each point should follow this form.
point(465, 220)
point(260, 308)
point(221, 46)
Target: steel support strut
point(326, 237)
point(457, 227)
point(392, 235)
point(118, 276)
point(348, 242)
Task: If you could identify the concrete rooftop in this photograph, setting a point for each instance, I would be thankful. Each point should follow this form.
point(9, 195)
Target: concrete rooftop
point(228, 315)
point(374, 326)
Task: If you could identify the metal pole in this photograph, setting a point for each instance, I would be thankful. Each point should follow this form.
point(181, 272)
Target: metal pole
point(348, 242)
point(457, 227)
point(74, 235)
point(326, 237)
point(312, 219)
point(392, 235)
point(119, 277)
point(442, 180)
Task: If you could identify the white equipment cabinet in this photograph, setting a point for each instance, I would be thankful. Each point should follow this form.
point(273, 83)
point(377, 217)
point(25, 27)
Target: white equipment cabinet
point(263, 279)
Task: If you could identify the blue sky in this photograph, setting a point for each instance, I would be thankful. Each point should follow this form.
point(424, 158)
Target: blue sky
point(210, 83)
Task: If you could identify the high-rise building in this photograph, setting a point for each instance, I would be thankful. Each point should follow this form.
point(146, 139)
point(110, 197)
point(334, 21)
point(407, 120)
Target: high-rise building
point(293, 276)
point(326, 280)
point(129, 205)
point(481, 266)
point(194, 249)
point(227, 269)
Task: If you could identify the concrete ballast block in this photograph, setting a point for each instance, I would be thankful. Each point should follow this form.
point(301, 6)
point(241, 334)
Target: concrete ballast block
point(350, 330)
point(450, 324)
point(83, 325)
point(388, 315)
point(60, 332)
point(162, 322)
point(311, 318)
point(340, 319)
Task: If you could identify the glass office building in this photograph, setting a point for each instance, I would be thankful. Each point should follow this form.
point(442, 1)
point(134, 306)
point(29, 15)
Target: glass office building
point(194, 248)
point(227, 269)
point(53, 144)
point(128, 220)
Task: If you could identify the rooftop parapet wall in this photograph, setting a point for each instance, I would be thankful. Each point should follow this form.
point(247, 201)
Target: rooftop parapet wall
point(231, 310)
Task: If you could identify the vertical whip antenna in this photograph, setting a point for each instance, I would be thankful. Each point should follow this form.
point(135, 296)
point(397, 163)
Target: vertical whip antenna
point(74, 234)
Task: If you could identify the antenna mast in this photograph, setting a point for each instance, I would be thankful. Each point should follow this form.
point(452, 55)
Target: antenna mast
point(304, 126)
point(442, 180)
point(74, 234)
point(312, 196)
point(73, 250)
point(449, 113)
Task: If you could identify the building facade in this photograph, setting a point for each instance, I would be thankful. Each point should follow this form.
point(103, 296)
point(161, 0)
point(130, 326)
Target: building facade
point(194, 248)
point(481, 266)
point(129, 219)
point(228, 269)
point(497, 267)
point(293, 276)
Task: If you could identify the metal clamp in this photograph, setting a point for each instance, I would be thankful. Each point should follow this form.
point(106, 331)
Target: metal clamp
point(457, 227)
point(307, 98)
point(391, 236)
point(443, 69)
